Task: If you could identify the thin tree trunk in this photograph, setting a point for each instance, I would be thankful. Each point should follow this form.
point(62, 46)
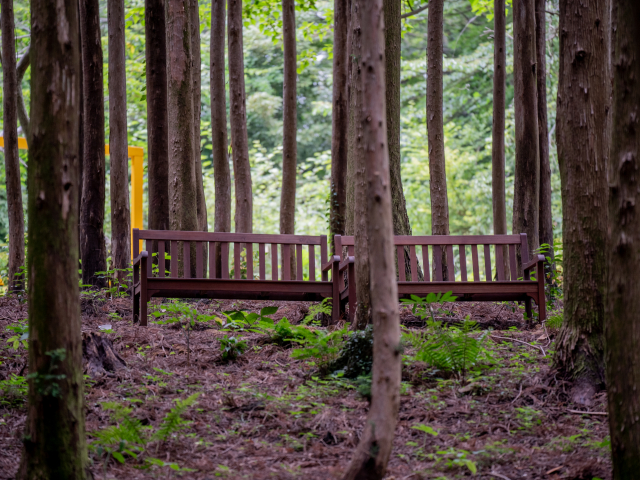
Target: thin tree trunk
point(157, 121)
point(374, 449)
point(526, 189)
point(340, 119)
point(545, 217)
point(289, 119)
point(118, 143)
point(497, 148)
point(435, 125)
point(356, 182)
point(182, 172)
point(92, 246)
point(23, 115)
point(239, 139)
point(54, 438)
point(583, 150)
point(622, 330)
point(203, 223)
point(11, 86)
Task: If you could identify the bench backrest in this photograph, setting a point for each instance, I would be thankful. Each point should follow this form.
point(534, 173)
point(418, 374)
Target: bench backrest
point(505, 250)
point(216, 246)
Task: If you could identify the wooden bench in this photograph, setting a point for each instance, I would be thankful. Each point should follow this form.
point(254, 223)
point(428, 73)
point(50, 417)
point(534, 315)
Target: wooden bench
point(492, 285)
point(259, 282)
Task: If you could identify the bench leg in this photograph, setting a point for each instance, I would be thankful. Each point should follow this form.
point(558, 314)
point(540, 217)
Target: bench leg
point(136, 308)
point(143, 310)
point(335, 301)
point(352, 292)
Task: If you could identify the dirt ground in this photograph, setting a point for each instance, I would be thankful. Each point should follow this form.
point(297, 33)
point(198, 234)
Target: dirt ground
point(268, 416)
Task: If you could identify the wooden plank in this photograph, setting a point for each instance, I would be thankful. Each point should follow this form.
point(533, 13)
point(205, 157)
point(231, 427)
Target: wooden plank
point(212, 260)
point(500, 263)
point(299, 274)
point(249, 261)
point(463, 262)
point(162, 264)
point(513, 263)
point(174, 259)
point(451, 269)
point(237, 250)
point(232, 237)
point(425, 263)
point(437, 259)
point(476, 264)
point(274, 261)
point(186, 259)
point(487, 263)
point(199, 260)
point(446, 240)
point(224, 260)
point(149, 248)
point(312, 264)
point(413, 260)
point(262, 260)
point(401, 270)
point(286, 262)
point(323, 257)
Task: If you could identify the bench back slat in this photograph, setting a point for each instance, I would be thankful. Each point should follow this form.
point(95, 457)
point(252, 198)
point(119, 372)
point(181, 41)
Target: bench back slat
point(187, 259)
point(237, 250)
point(286, 262)
point(249, 247)
point(274, 261)
point(400, 257)
point(499, 263)
point(262, 260)
point(212, 260)
point(174, 259)
point(513, 263)
point(451, 271)
point(312, 263)
point(425, 263)
point(476, 263)
point(437, 258)
point(224, 261)
point(162, 263)
point(487, 263)
point(463, 262)
point(414, 263)
point(323, 257)
point(299, 274)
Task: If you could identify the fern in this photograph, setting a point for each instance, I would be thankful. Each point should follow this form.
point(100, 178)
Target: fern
point(173, 421)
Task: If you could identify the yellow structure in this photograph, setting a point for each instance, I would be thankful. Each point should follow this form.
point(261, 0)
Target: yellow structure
point(136, 154)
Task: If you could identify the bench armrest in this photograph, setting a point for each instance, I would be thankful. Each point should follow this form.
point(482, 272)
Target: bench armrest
point(347, 261)
point(329, 264)
point(533, 263)
point(139, 258)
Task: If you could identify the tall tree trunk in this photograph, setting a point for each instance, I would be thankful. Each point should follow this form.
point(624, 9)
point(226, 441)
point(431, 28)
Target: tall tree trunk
point(194, 10)
point(239, 139)
point(356, 182)
point(92, 247)
point(118, 143)
point(54, 438)
point(545, 218)
point(622, 330)
point(157, 127)
point(182, 172)
point(11, 159)
point(289, 119)
point(435, 125)
point(526, 188)
point(497, 148)
point(340, 119)
point(374, 449)
point(583, 150)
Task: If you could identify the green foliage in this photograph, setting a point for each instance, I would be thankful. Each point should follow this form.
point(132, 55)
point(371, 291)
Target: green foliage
point(47, 383)
point(322, 308)
point(232, 348)
point(423, 307)
point(322, 345)
point(173, 422)
point(363, 386)
point(115, 288)
point(13, 391)
point(356, 356)
point(21, 337)
point(555, 322)
point(455, 458)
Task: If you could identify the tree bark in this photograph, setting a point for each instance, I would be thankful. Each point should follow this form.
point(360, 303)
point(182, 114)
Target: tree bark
point(54, 439)
point(239, 139)
point(526, 189)
point(435, 126)
point(374, 449)
point(289, 120)
point(11, 86)
point(622, 332)
point(221, 171)
point(92, 246)
point(545, 218)
point(118, 143)
point(583, 149)
point(203, 223)
point(23, 116)
point(182, 172)
point(157, 126)
point(497, 148)
point(356, 182)
point(340, 119)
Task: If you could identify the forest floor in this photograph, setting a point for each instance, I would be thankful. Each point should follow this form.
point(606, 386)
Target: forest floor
point(269, 416)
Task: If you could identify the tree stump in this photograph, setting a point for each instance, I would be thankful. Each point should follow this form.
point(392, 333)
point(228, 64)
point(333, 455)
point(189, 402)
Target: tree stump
point(98, 355)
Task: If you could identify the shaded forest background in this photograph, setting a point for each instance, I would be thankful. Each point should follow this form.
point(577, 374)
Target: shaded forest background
point(468, 83)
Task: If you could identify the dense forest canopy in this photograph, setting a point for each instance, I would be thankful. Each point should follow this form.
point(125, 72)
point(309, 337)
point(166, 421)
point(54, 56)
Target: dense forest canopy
point(468, 76)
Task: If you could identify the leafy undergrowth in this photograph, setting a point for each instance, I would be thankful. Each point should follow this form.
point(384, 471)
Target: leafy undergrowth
point(184, 408)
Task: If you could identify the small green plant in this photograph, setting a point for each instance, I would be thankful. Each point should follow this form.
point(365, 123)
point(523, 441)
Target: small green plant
point(555, 322)
point(21, 337)
point(427, 430)
point(356, 356)
point(13, 391)
point(454, 458)
point(528, 417)
point(232, 348)
point(424, 307)
point(46, 384)
point(322, 345)
point(323, 308)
